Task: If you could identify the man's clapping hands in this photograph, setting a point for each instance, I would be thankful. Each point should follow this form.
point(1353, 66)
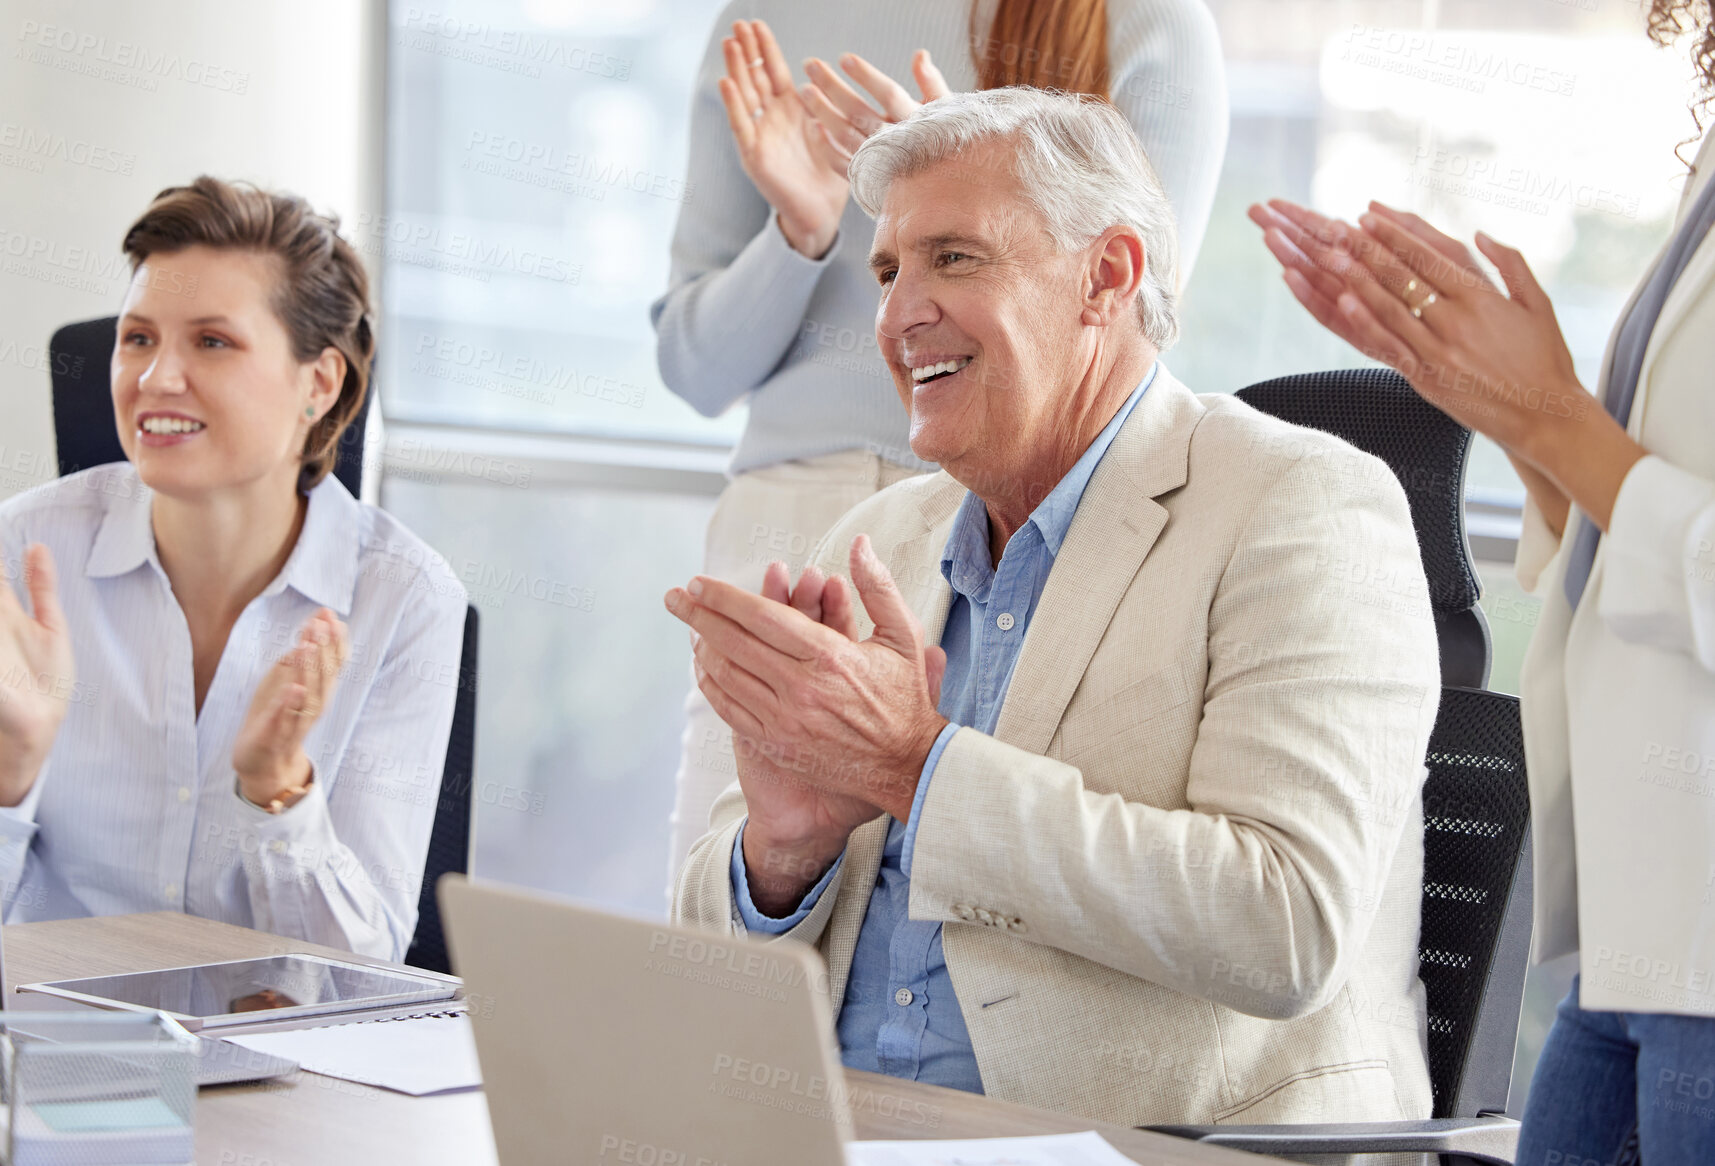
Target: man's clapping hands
point(828, 731)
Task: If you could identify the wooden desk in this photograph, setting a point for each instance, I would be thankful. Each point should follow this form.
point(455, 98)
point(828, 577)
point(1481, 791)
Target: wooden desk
point(309, 1120)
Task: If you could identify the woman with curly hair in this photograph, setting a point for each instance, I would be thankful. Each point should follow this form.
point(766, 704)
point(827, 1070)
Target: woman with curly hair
point(1618, 688)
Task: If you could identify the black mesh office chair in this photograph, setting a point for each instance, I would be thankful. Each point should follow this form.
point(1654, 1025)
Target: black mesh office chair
point(79, 357)
point(1475, 938)
point(449, 841)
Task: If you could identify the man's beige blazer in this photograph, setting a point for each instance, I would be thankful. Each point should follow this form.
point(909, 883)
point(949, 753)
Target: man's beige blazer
point(1180, 882)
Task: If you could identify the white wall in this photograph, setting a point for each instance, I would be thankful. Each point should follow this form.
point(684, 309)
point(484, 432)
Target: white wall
point(104, 104)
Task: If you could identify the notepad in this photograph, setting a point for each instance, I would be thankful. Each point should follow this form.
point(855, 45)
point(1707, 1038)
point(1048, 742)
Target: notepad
point(1085, 1149)
point(419, 1055)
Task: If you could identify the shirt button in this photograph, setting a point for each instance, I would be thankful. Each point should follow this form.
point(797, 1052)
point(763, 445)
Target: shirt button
point(170, 891)
point(184, 793)
point(1004, 621)
point(903, 997)
point(277, 846)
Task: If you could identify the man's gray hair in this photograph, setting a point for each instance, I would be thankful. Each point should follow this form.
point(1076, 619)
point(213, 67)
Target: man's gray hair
point(1077, 159)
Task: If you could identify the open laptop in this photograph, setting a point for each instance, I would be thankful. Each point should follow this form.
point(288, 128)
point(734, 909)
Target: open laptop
point(606, 1039)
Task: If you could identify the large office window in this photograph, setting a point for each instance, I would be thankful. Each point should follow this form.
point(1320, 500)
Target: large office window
point(535, 170)
point(536, 167)
point(536, 153)
point(535, 164)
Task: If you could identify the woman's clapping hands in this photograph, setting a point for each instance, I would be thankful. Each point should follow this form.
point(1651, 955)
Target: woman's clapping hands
point(795, 144)
point(780, 145)
point(846, 118)
point(1493, 358)
point(37, 673)
point(268, 755)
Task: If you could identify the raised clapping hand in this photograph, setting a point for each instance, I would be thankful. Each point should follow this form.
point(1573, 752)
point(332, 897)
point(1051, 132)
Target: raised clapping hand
point(828, 731)
point(37, 674)
point(780, 145)
point(1492, 359)
point(846, 118)
point(268, 755)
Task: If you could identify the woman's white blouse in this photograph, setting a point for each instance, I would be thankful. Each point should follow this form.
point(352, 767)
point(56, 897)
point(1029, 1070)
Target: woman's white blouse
point(137, 808)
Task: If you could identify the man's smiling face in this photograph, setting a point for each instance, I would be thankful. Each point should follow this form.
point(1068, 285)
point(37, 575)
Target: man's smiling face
point(979, 319)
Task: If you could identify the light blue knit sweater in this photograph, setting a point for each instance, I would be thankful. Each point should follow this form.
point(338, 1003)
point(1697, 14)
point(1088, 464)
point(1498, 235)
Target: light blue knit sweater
point(746, 314)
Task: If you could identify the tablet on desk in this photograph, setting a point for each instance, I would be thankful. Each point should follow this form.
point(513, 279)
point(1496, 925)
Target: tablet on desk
point(246, 991)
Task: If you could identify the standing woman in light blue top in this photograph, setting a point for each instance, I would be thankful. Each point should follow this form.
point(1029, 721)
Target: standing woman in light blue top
point(226, 686)
point(770, 300)
point(1617, 692)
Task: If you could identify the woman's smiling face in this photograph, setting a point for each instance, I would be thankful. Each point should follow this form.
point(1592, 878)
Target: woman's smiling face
point(207, 392)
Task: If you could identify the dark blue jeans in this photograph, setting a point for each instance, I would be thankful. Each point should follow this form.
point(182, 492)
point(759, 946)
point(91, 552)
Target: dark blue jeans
point(1618, 1088)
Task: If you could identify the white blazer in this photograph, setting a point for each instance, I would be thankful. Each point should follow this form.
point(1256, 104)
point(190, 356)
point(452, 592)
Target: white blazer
point(1619, 696)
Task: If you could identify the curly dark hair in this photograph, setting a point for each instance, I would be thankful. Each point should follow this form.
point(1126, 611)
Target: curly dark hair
point(1671, 19)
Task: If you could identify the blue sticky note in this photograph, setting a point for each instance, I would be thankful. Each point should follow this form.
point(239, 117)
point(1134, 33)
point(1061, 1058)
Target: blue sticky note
point(107, 1116)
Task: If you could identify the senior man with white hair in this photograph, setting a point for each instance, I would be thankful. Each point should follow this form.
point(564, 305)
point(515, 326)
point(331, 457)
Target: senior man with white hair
point(1109, 797)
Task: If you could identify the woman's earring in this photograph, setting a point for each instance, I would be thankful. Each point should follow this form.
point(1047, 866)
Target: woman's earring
point(310, 411)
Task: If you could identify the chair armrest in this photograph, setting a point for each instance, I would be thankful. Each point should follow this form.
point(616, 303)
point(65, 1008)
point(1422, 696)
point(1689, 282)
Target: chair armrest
point(1489, 1138)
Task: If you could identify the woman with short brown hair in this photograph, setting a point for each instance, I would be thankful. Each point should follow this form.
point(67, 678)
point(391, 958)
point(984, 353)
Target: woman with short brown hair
point(255, 722)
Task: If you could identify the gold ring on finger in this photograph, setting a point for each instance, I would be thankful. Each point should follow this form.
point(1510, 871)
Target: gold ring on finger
point(1417, 310)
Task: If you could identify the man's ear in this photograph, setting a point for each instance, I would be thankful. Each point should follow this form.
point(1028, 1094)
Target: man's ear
point(1115, 272)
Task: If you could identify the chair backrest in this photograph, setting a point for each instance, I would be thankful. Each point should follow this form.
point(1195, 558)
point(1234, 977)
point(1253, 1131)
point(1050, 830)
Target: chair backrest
point(1474, 945)
point(1376, 410)
point(79, 356)
point(449, 839)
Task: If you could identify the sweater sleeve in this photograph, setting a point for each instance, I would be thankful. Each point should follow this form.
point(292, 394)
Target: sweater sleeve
point(737, 291)
point(1168, 77)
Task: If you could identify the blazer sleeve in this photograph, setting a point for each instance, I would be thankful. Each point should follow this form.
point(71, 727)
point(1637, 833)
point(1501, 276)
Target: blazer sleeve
point(1537, 545)
point(1307, 769)
point(1658, 573)
point(704, 894)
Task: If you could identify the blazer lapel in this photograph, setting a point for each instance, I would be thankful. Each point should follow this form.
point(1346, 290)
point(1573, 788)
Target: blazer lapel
point(927, 592)
point(1686, 292)
point(917, 560)
point(1116, 524)
point(863, 867)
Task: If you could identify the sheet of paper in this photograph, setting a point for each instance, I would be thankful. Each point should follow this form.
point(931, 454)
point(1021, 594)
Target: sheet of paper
point(1085, 1149)
point(430, 1054)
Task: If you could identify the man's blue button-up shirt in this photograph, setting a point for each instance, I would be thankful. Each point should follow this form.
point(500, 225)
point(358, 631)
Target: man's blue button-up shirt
point(899, 1015)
